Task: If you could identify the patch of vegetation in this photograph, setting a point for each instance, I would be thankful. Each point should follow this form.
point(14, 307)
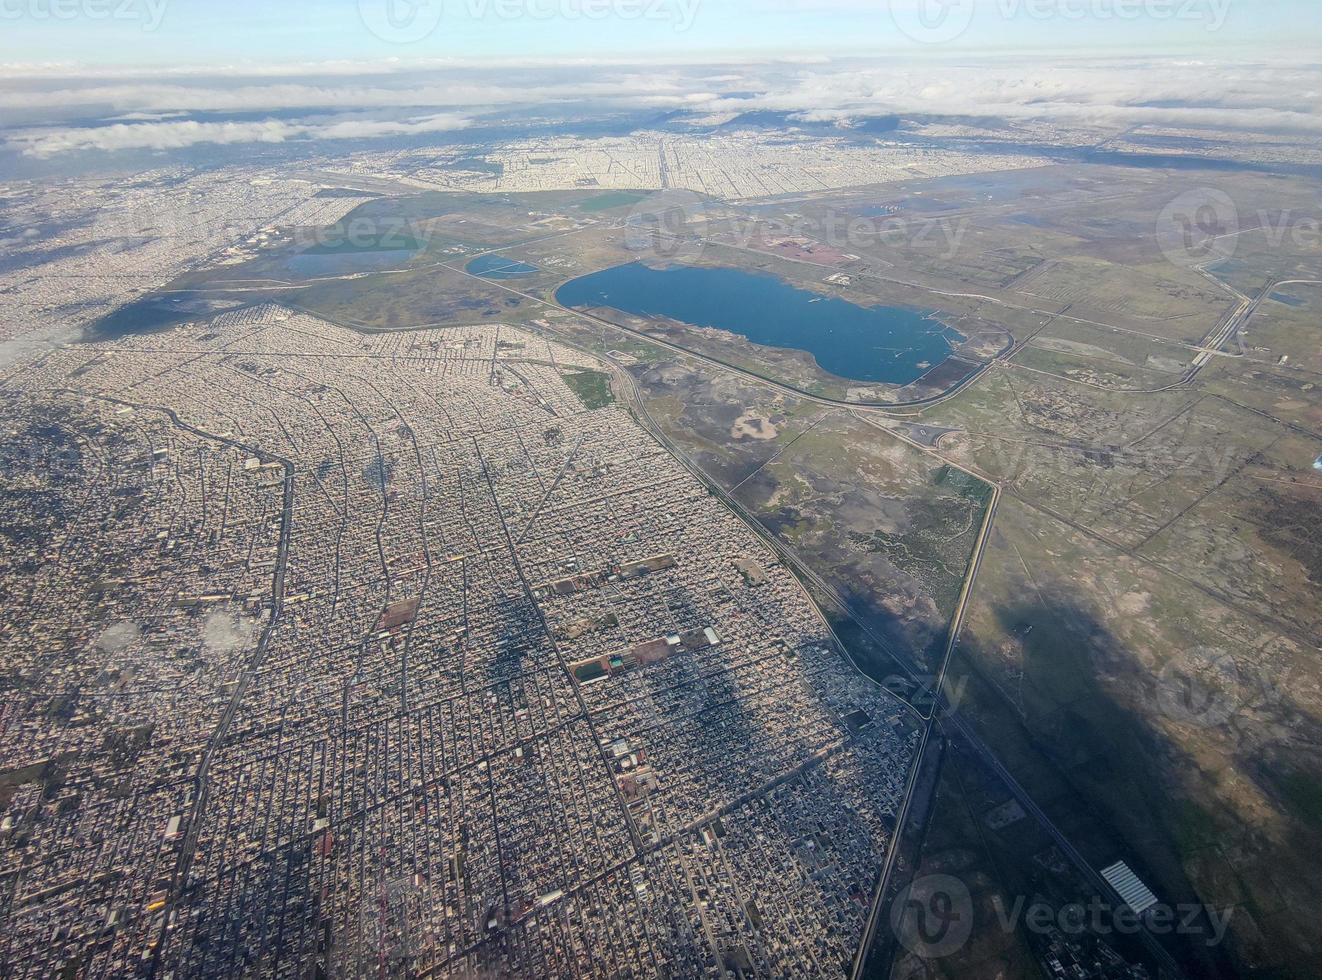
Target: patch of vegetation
point(965, 484)
point(1194, 827)
point(1301, 789)
point(592, 387)
point(589, 671)
point(617, 199)
point(1291, 523)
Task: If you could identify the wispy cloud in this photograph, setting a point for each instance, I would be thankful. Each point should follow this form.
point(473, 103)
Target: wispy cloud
point(178, 135)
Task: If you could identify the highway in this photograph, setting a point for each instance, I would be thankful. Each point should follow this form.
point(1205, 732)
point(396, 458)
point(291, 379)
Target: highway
point(933, 717)
point(201, 779)
point(940, 712)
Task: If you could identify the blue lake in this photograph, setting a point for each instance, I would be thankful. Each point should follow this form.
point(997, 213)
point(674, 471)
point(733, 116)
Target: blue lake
point(499, 267)
point(888, 344)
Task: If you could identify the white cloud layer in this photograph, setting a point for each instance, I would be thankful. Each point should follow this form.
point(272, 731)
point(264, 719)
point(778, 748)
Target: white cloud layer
point(178, 135)
point(1098, 94)
point(1249, 96)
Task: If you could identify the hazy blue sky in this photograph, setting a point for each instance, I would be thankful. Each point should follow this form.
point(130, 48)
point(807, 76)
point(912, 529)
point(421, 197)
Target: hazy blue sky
point(177, 32)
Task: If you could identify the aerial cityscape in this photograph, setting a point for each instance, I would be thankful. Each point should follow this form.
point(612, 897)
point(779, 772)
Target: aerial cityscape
point(666, 489)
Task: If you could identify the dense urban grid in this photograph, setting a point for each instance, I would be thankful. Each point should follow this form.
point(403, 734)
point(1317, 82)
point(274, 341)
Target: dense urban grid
point(345, 653)
point(734, 164)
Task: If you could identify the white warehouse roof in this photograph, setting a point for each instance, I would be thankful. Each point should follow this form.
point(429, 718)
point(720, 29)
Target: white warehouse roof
point(1130, 887)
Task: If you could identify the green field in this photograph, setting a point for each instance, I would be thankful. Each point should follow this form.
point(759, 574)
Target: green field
point(616, 199)
point(592, 387)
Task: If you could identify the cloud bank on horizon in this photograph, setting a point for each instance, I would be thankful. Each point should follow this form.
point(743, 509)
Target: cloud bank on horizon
point(165, 112)
point(115, 75)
